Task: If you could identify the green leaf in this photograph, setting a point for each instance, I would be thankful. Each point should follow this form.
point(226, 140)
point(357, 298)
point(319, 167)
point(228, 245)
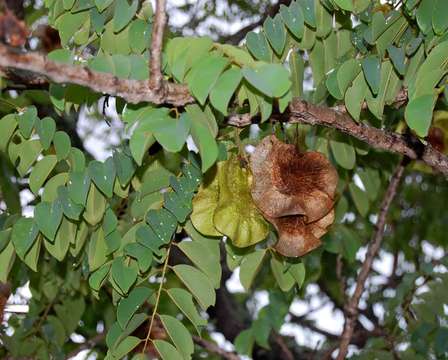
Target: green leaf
point(270, 79)
point(345, 4)
point(169, 132)
point(80, 239)
point(293, 18)
point(27, 120)
point(199, 255)
point(5, 236)
point(418, 113)
point(46, 129)
point(258, 46)
point(424, 15)
point(142, 254)
point(124, 13)
point(224, 89)
point(8, 124)
point(125, 347)
point(62, 145)
point(23, 236)
point(125, 166)
point(97, 252)
point(97, 278)
point(102, 4)
point(128, 306)
point(355, 95)
point(140, 33)
point(48, 216)
point(398, 58)
point(139, 143)
point(343, 152)
point(297, 270)
point(166, 350)
point(204, 75)
point(203, 131)
point(69, 208)
point(250, 266)
point(50, 193)
point(360, 199)
point(77, 160)
point(69, 23)
point(179, 335)
point(324, 20)
point(439, 12)
point(103, 175)
point(197, 283)
point(347, 72)
point(124, 276)
point(7, 257)
point(371, 66)
point(41, 171)
point(244, 342)
point(275, 33)
point(78, 187)
point(284, 279)
point(184, 302)
point(163, 223)
point(372, 182)
point(28, 153)
point(65, 235)
point(309, 13)
point(95, 206)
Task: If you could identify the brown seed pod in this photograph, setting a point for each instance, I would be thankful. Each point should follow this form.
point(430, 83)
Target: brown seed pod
point(295, 192)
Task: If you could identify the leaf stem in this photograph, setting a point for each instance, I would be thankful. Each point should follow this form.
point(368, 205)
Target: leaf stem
point(159, 291)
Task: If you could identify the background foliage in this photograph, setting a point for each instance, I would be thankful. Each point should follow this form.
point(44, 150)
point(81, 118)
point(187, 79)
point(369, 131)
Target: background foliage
point(108, 249)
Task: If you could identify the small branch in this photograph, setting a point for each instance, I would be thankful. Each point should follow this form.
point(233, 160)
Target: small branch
point(155, 64)
point(133, 91)
point(89, 344)
point(284, 352)
point(215, 349)
point(351, 310)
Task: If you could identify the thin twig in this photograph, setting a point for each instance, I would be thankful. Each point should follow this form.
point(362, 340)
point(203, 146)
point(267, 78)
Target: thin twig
point(215, 349)
point(351, 310)
point(156, 305)
point(155, 65)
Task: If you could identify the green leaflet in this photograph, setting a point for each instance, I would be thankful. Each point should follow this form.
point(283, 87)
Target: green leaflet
point(418, 113)
point(48, 216)
point(167, 351)
point(62, 144)
point(284, 279)
point(124, 13)
point(250, 266)
point(66, 234)
point(41, 171)
point(103, 175)
point(258, 46)
point(95, 206)
point(23, 236)
point(297, 67)
point(7, 257)
point(97, 252)
point(371, 66)
point(271, 79)
point(26, 121)
point(293, 18)
point(359, 198)
point(343, 152)
point(128, 306)
point(224, 89)
point(203, 130)
point(275, 33)
point(179, 335)
point(355, 95)
point(197, 283)
point(204, 75)
point(46, 129)
point(8, 124)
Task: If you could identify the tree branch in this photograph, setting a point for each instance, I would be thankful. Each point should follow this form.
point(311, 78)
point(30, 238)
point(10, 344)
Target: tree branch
point(215, 349)
point(351, 310)
point(133, 91)
point(155, 65)
point(86, 345)
point(301, 111)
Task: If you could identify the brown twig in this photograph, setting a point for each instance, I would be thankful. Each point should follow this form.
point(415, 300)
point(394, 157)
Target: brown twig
point(155, 65)
point(215, 349)
point(351, 309)
point(304, 112)
point(133, 91)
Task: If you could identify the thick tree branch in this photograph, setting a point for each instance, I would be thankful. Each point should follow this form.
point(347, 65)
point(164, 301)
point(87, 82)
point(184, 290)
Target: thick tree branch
point(155, 64)
point(133, 91)
point(215, 349)
point(351, 309)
